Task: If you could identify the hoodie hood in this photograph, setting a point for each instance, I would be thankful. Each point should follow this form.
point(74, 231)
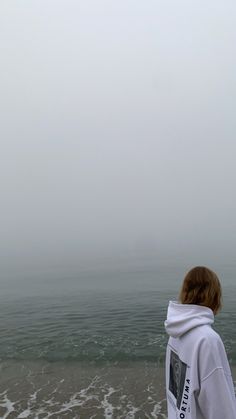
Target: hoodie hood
point(183, 317)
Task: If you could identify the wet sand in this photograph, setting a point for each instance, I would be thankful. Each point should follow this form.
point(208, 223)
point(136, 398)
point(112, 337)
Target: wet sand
point(40, 390)
point(44, 390)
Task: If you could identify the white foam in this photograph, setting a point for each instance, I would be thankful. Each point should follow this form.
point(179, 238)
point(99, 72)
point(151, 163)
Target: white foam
point(7, 404)
point(97, 394)
point(108, 408)
point(132, 411)
point(24, 414)
point(34, 395)
point(156, 411)
point(76, 400)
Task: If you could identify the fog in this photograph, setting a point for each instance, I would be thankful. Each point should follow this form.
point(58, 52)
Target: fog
point(117, 134)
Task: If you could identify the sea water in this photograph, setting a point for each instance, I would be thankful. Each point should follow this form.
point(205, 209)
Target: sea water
point(91, 353)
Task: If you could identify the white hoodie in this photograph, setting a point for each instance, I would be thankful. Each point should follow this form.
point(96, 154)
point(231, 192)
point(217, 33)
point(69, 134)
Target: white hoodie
point(198, 378)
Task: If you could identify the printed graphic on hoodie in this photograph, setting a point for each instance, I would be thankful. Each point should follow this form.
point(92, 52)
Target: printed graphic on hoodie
point(177, 377)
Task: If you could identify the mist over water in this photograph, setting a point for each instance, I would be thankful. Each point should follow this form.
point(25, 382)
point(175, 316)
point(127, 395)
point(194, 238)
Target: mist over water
point(117, 137)
point(114, 272)
point(89, 352)
point(117, 175)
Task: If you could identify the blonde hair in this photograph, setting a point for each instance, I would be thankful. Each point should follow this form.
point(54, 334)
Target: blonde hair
point(201, 286)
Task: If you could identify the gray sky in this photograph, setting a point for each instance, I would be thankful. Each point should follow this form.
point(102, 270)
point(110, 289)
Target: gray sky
point(117, 130)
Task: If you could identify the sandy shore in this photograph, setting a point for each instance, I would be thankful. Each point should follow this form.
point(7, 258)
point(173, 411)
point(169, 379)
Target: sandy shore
point(72, 390)
point(76, 391)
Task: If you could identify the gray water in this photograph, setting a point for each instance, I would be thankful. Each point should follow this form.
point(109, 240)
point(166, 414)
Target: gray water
point(77, 353)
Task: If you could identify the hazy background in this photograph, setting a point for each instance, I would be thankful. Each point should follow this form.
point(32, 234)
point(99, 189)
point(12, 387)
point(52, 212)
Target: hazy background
point(117, 136)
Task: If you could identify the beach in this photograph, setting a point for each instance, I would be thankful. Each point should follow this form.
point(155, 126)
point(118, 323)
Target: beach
point(55, 390)
point(43, 390)
point(90, 355)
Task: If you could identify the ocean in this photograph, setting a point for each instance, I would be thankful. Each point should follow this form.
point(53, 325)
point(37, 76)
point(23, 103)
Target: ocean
point(91, 353)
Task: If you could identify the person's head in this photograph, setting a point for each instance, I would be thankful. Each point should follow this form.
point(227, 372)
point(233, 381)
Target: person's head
point(201, 286)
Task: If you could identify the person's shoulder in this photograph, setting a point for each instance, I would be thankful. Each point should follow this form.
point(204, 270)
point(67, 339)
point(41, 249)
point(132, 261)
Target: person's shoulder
point(210, 338)
point(206, 334)
point(211, 352)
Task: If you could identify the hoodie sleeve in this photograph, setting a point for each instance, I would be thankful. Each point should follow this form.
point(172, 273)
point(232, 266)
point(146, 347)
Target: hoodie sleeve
point(216, 397)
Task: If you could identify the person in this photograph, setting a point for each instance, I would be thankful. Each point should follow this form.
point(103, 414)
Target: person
point(199, 384)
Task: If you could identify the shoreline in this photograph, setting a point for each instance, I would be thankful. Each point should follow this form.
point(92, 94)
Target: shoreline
point(74, 390)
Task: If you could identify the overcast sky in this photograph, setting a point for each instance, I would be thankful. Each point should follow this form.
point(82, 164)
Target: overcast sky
point(117, 130)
